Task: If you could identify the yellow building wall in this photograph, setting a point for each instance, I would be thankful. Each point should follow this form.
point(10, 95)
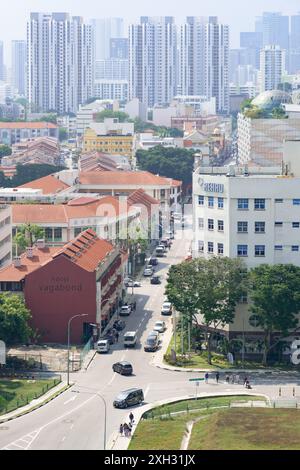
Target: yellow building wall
point(112, 144)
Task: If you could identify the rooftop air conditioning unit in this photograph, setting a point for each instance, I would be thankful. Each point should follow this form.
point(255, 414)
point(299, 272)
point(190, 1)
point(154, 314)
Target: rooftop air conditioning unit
point(18, 262)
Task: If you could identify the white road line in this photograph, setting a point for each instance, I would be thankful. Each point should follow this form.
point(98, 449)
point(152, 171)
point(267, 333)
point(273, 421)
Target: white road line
point(71, 399)
point(146, 391)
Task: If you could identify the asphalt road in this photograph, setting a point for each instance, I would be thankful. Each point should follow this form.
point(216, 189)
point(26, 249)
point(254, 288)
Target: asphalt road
point(75, 420)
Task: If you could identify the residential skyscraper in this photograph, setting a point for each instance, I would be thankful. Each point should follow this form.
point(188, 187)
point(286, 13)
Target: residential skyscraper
point(119, 48)
point(204, 60)
point(104, 30)
point(19, 52)
point(295, 44)
point(153, 60)
point(272, 67)
point(60, 72)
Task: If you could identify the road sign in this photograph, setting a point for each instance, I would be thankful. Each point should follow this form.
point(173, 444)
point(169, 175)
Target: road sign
point(196, 380)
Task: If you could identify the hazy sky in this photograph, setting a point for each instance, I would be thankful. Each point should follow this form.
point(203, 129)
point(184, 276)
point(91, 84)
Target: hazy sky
point(234, 12)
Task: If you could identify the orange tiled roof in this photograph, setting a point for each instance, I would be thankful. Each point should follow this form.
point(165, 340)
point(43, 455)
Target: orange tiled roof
point(61, 213)
point(48, 184)
point(141, 197)
point(87, 251)
point(124, 178)
point(28, 125)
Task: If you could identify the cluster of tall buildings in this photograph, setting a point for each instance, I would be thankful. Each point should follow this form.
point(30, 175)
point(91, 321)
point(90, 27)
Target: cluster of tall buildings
point(268, 53)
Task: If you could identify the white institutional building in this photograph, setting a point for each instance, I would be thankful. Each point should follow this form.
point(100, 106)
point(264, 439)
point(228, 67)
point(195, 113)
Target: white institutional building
point(249, 213)
point(60, 64)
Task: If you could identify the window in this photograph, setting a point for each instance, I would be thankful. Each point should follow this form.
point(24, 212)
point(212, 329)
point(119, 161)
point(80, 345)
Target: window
point(260, 227)
point(278, 201)
point(220, 249)
point(210, 247)
point(57, 233)
point(200, 246)
point(278, 224)
point(243, 204)
point(211, 201)
point(220, 203)
point(259, 204)
point(296, 202)
point(278, 248)
point(210, 224)
point(221, 225)
point(296, 224)
point(260, 250)
point(48, 233)
point(242, 250)
point(201, 200)
point(242, 227)
point(295, 248)
point(201, 224)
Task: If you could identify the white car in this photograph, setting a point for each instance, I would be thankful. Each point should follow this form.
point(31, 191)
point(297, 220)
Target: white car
point(166, 308)
point(133, 284)
point(148, 272)
point(125, 311)
point(160, 327)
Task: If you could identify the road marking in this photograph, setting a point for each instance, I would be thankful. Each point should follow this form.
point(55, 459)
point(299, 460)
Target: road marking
point(71, 399)
point(146, 391)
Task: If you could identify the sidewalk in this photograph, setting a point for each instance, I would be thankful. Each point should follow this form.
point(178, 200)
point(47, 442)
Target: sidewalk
point(35, 404)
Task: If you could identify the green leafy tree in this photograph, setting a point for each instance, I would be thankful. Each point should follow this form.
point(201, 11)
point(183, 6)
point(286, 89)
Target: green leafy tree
point(209, 290)
point(278, 113)
point(14, 319)
point(108, 113)
point(27, 235)
point(173, 163)
point(275, 296)
point(63, 134)
point(27, 173)
point(5, 151)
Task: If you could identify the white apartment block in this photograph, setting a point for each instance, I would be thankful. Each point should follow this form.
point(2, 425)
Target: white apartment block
point(249, 213)
point(111, 90)
point(204, 60)
point(5, 235)
point(272, 67)
point(60, 71)
point(112, 69)
point(153, 60)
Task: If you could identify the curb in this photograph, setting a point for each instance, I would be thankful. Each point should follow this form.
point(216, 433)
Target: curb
point(36, 407)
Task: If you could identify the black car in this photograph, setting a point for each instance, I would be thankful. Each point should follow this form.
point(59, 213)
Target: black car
point(153, 261)
point(119, 325)
point(155, 280)
point(110, 336)
point(132, 397)
point(123, 368)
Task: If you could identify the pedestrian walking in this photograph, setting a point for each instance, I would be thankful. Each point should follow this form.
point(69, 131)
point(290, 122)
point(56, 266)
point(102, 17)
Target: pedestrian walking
point(121, 429)
point(245, 381)
point(227, 379)
point(131, 417)
point(134, 306)
point(117, 336)
point(217, 377)
point(206, 377)
point(126, 429)
point(129, 430)
point(233, 379)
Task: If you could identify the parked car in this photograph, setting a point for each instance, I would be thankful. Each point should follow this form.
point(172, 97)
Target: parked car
point(148, 272)
point(123, 368)
point(153, 261)
point(125, 311)
point(130, 339)
point(160, 327)
point(110, 337)
point(151, 344)
point(155, 280)
point(149, 266)
point(119, 325)
point(132, 397)
point(166, 308)
point(103, 346)
point(160, 251)
point(132, 284)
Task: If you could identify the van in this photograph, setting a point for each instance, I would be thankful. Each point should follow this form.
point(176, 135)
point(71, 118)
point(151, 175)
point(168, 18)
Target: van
point(103, 346)
point(130, 339)
point(160, 252)
point(128, 398)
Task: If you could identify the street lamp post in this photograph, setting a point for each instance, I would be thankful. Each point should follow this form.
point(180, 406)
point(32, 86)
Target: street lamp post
point(69, 335)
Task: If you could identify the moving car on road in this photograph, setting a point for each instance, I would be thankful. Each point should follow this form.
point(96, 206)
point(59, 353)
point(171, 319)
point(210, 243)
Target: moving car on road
point(130, 339)
point(132, 397)
point(125, 311)
point(123, 368)
point(119, 325)
point(132, 283)
point(160, 327)
point(153, 261)
point(155, 280)
point(148, 272)
point(103, 346)
point(166, 308)
point(152, 344)
point(160, 251)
